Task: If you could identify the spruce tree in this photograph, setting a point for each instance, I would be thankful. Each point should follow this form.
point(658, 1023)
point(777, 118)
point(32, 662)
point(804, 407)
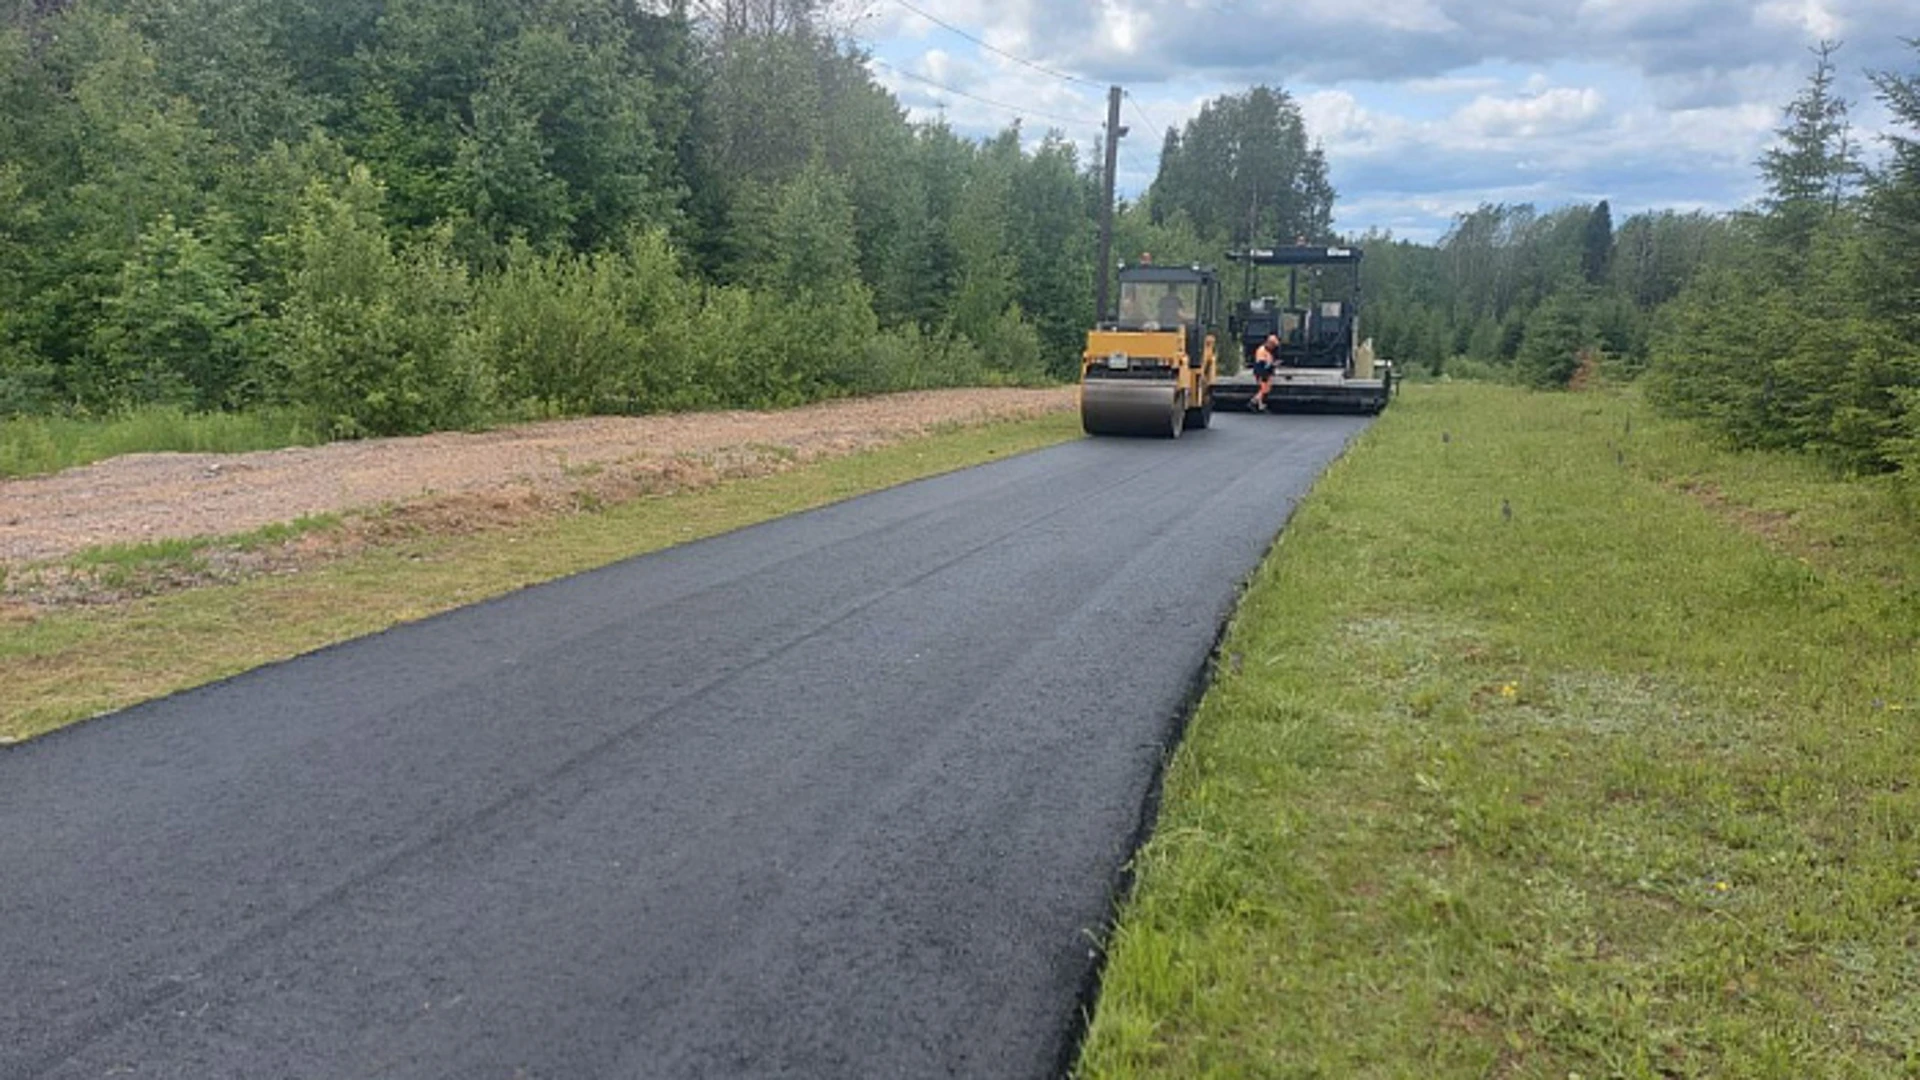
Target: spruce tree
point(1597, 249)
point(1814, 167)
point(1893, 204)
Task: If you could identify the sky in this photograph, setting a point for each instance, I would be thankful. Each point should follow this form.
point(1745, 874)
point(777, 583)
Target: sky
point(1426, 108)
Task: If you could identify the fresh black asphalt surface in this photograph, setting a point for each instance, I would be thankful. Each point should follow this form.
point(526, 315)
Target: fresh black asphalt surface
point(843, 795)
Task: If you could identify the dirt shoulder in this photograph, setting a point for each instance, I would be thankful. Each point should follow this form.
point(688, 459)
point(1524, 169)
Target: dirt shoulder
point(142, 498)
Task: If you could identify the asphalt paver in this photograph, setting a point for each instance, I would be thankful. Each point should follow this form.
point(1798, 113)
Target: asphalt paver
point(844, 794)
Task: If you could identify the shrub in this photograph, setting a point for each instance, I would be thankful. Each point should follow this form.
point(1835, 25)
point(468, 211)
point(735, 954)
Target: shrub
point(1474, 369)
point(375, 342)
point(908, 358)
point(554, 332)
point(663, 307)
point(725, 349)
point(27, 383)
point(1011, 346)
point(175, 331)
point(806, 345)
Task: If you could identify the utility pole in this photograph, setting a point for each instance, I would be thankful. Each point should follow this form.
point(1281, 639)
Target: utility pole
point(1114, 131)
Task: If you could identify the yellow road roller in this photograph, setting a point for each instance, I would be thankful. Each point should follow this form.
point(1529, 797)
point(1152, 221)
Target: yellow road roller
point(1150, 369)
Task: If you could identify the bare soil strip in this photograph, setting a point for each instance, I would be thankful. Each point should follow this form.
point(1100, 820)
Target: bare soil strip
point(143, 498)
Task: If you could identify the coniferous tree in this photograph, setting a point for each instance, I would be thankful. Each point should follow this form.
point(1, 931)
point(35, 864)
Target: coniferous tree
point(1596, 252)
point(1053, 250)
point(1814, 165)
point(1892, 262)
point(1556, 334)
point(1893, 204)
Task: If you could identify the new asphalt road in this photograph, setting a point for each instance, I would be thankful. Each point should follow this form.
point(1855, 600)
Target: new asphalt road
point(843, 795)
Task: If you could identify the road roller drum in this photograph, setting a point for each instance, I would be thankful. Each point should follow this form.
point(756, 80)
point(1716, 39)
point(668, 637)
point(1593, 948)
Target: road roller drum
point(1118, 407)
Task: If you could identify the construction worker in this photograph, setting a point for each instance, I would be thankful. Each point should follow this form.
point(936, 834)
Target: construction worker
point(1173, 307)
point(1264, 358)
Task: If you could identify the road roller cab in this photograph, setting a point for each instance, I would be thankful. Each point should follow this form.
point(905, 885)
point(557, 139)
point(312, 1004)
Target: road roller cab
point(1149, 370)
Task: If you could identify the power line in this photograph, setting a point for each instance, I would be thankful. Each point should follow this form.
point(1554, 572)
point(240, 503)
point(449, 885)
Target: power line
point(1132, 167)
point(1132, 164)
point(997, 50)
point(1019, 111)
point(1016, 110)
point(1157, 129)
point(1150, 126)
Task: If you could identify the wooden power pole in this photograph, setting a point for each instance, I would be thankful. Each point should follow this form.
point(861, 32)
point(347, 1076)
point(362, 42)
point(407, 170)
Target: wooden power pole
point(1114, 131)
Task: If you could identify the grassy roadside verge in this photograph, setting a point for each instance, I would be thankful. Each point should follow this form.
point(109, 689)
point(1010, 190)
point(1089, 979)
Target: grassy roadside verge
point(30, 445)
point(67, 665)
point(1621, 785)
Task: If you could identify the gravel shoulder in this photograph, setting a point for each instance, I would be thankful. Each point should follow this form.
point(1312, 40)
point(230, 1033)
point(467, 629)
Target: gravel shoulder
point(143, 498)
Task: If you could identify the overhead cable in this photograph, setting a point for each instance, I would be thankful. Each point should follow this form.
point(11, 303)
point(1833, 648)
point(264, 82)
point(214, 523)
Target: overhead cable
point(1017, 110)
point(997, 50)
point(1138, 112)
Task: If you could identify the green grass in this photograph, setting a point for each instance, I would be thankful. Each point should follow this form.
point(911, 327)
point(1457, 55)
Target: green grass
point(180, 550)
point(110, 570)
point(32, 445)
point(1621, 786)
point(73, 663)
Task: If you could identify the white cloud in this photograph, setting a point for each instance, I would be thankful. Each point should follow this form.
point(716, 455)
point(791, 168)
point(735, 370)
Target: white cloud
point(1413, 16)
point(1445, 85)
point(1555, 111)
point(1562, 144)
point(1810, 17)
point(1121, 27)
point(937, 64)
point(1344, 126)
point(1637, 17)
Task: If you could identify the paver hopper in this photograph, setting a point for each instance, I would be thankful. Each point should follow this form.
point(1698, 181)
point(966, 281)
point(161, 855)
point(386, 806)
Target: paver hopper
point(1322, 361)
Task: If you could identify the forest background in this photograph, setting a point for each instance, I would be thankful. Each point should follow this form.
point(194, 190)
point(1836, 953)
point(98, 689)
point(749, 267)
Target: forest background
point(395, 216)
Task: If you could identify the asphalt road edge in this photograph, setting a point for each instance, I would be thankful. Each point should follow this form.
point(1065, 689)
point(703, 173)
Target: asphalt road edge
point(1087, 1001)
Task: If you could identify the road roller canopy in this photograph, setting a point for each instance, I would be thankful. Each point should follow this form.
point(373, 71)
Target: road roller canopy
point(1163, 297)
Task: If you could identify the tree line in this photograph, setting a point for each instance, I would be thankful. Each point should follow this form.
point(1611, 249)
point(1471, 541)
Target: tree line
point(1791, 324)
point(400, 215)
